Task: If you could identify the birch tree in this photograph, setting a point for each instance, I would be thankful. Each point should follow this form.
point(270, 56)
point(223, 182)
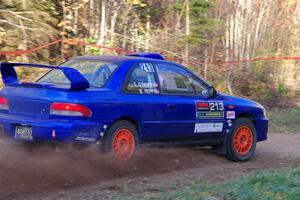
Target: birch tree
point(245, 23)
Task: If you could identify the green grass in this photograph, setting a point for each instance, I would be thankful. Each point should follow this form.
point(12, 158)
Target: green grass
point(281, 184)
point(284, 120)
point(264, 185)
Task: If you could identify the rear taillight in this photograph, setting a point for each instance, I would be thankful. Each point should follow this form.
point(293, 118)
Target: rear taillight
point(3, 103)
point(70, 109)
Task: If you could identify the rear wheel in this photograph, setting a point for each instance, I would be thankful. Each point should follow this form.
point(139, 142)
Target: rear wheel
point(241, 140)
point(121, 140)
point(3, 136)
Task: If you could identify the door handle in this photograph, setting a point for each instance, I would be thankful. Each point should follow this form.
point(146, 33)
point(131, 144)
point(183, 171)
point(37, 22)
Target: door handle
point(172, 106)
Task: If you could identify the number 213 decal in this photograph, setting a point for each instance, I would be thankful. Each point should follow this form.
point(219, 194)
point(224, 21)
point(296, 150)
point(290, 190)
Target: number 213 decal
point(216, 106)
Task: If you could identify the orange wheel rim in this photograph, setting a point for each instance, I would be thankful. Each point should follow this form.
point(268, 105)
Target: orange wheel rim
point(243, 140)
point(124, 144)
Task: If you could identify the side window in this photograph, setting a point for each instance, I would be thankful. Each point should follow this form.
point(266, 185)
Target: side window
point(174, 80)
point(142, 80)
point(198, 86)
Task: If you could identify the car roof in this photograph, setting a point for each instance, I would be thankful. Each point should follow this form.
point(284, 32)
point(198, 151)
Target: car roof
point(115, 58)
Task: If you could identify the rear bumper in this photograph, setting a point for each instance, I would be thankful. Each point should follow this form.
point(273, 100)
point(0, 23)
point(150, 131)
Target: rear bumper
point(261, 125)
point(77, 131)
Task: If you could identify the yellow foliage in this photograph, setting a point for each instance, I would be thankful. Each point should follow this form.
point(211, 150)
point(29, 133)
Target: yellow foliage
point(135, 2)
point(61, 24)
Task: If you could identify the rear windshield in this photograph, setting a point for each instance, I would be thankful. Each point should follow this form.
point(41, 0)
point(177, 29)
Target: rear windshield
point(96, 72)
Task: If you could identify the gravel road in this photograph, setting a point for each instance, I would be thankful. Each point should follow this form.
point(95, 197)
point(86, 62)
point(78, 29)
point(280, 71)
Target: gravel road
point(48, 172)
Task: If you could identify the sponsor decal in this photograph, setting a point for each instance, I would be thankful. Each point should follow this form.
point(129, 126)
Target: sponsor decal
point(203, 115)
point(208, 127)
point(209, 110)
point(230, 115)
point(85, 139)
point(202, 106)
point(229, 122)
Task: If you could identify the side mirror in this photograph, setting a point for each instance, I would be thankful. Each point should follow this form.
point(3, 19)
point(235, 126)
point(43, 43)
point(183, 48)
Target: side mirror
point(212, 92)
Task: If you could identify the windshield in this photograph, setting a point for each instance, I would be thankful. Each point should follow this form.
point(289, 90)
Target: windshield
point(96, 72)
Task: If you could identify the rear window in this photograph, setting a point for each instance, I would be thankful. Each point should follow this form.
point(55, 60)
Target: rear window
point(96, 72)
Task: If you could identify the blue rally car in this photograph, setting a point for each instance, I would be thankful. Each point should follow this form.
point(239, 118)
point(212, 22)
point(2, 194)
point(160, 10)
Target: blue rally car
point(124, 101)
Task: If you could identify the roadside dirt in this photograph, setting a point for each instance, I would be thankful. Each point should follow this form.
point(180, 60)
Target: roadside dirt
point(47, 172)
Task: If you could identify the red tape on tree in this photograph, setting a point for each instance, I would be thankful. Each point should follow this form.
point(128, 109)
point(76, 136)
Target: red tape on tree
point(30, 50)
point(79, 42)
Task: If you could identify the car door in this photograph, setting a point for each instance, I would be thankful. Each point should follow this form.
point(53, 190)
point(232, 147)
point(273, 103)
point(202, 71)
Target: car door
point(187, 112)
point(142, 100)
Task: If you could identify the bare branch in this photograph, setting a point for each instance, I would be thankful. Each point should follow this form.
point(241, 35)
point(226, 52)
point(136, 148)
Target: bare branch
point(17, 15)
point(18, 26)
point(22, 12)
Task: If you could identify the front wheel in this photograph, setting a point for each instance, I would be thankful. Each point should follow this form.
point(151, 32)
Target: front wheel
point(121, 140)
point(241, 140)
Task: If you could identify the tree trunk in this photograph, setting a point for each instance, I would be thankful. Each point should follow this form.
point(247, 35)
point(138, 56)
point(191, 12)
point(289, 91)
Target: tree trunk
point(125, 24)
point(102, 26)
point(228, 44)
point(147, 34)
point(205, 61)
point(187, 30)
point(24, 41)
point(113, 22)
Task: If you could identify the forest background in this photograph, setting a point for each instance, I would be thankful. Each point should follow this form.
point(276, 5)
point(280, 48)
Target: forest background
point(248, 48)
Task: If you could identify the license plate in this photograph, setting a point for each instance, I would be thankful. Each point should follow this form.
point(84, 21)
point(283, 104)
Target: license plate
point(23, 133)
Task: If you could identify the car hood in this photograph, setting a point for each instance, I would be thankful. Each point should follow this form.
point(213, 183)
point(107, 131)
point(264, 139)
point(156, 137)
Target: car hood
point(242, 103)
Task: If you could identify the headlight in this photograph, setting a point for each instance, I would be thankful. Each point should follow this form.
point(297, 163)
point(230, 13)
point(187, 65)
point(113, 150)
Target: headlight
point(264, 111)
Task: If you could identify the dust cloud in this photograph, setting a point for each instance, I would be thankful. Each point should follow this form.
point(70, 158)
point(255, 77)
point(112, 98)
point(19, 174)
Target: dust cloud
point(32, 168)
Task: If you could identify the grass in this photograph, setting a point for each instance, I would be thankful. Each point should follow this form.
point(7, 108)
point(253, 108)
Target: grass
point(284, 120)
point(281, 184)
point(264, 185)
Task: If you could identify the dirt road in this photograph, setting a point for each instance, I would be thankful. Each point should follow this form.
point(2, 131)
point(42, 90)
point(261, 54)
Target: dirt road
point(64, 173)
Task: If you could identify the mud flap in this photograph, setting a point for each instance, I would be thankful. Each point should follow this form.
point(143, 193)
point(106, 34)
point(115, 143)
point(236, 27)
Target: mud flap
point(2, 134)
point(222, 149)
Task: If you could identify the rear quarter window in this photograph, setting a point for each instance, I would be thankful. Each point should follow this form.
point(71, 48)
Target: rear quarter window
point(96, 72)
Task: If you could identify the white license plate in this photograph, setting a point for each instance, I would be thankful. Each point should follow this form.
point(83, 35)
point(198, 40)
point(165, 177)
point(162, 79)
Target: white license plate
point(23, 133)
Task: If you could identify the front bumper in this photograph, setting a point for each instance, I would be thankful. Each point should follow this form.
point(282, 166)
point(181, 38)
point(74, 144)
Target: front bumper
point(261, 125)
point(77, 131)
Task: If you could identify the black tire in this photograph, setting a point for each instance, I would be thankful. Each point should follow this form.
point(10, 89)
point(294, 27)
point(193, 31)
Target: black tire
point(109, 139)
point(239, 151)
point(2, 134)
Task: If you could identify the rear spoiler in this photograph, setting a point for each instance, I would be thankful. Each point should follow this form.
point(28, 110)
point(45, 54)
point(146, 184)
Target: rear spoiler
point(9, 75)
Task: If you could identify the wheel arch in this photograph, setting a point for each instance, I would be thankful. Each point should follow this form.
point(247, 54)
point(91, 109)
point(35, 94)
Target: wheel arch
point(131, 120)
point(247, 115)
